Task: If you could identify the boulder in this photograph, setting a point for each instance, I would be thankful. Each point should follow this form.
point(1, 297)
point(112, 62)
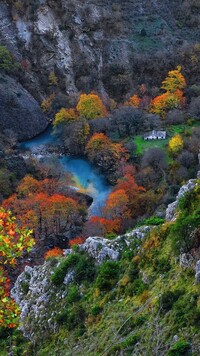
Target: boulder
point(101, 249)
point(171, 209)
point(19, 111)
point(186, 260)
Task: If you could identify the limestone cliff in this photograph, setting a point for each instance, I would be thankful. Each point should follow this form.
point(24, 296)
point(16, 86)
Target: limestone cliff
point(19, 111)
point(109, 46)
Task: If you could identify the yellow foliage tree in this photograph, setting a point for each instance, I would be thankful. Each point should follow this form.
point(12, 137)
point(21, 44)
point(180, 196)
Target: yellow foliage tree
point(175, 144)
point(65, 116)
point(174, 80)
point(173, 97)
point(47, 103)
point(91, 106)
point(53, 80)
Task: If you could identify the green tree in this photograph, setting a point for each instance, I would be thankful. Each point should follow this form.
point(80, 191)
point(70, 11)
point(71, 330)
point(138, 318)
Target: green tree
point(185, 232)
point(6, 60)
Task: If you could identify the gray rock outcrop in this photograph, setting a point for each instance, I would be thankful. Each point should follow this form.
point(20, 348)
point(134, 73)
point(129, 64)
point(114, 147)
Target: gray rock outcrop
point(197, 275)
point(186, 260)
point(36, 294)
point(109, 47)
point(171, 209)
point(94, 45)
point(101, 249)
point(19, 111)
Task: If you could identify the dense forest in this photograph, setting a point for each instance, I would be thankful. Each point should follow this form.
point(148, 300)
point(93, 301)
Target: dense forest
point(99, 178)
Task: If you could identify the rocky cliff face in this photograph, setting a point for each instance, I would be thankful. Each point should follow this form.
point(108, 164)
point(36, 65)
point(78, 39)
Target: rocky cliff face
point(102, 45)
point(19, 111)
point(171, 212)
point(37, 296)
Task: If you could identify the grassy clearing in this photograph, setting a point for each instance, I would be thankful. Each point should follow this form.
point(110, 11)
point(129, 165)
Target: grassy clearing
point(182, 129)
point(143, 145)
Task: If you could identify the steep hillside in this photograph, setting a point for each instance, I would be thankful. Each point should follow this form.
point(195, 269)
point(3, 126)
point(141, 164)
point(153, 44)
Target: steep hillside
point(19, 112)
point(113, 272)
point(110, 46)
point(137, 294)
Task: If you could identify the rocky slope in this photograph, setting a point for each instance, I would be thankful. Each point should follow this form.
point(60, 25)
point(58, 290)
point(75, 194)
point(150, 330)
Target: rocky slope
point(19, 111)
point(63, 295)
point(110, 47)
point(37, 295)
point(102, 45)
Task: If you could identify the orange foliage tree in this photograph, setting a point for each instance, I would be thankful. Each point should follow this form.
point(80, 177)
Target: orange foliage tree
point(173, 97)
point(117, 205)
point(134, 101)
point(42, 209)
point(103, 152)
point(91, 106)
point(167, 101)
point(14, 240)
point(125, 202)
point(102, 226)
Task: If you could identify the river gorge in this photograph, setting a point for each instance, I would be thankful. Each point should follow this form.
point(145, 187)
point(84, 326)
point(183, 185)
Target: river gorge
point(85, 177)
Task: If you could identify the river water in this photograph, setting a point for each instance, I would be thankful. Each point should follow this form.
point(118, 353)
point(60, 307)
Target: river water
point(86, 178)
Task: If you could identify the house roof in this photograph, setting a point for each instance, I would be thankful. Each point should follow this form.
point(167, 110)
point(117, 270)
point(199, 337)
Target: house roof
point(155, 134)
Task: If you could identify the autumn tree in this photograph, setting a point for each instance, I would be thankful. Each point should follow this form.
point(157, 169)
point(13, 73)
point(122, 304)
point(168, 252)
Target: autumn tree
point(104, 153)
point(174, 81)
point(124, 203)
point(65, 116)
point(54, 252)
point(14, 240)
point(47, 103)
point(117, 205)
point(175, 144)
point(28, 186)
point(167, 101)
point(91, 106)
point(101, 226)
point(79, 240)
point(39, 207)
point(133, 191)
point(53, 80)
point(173, 97)
point(134, 101)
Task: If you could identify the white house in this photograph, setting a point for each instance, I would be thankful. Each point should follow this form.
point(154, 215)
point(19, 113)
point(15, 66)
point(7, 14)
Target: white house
point(155, 135)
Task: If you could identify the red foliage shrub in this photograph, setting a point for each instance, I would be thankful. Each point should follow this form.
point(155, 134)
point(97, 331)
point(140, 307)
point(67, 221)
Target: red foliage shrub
point(77, 241)
point(54, 252)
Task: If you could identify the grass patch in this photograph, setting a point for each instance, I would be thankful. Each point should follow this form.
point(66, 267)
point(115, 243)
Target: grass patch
point(143, 145)
point(182, 129)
